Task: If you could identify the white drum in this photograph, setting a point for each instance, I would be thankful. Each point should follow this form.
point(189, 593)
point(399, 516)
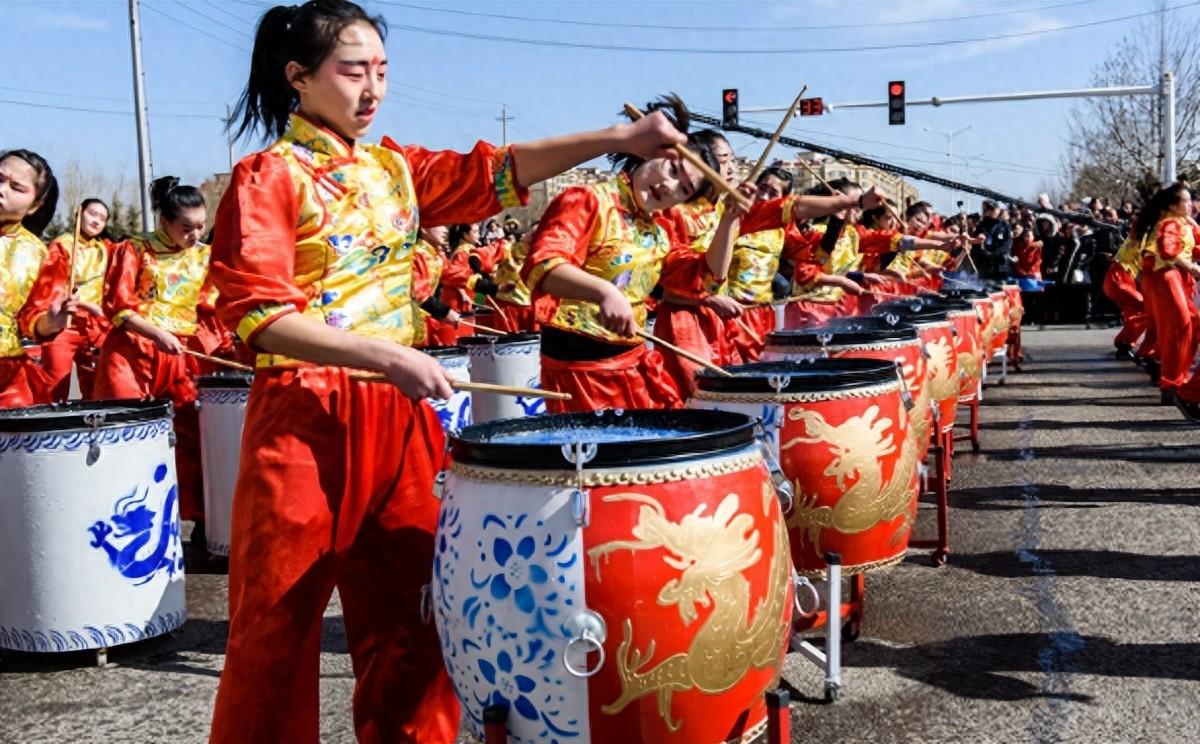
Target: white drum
point(89, 526)
point(456, 412)
point(514, 359)
point(222, 405)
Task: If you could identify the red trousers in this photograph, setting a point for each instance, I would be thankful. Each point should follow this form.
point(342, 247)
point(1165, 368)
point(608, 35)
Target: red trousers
point(696, 329)
point(335, 489)
point(1122, 289)
point(635, 379)
point(515, 318)
point(23, 383)
point(79, 345)
point(131, 366)
point(806, 313)
point(438, 333)
point(1169, 298)
point(747, 333)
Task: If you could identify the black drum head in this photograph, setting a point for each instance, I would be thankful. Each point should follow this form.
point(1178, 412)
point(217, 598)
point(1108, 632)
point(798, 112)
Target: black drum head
point(75, 415)
point(807, 376)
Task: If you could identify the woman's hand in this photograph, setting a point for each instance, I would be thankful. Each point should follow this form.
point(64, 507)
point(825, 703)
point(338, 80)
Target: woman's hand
point(452, 317)
point(724, 307)
point(416, 374)
point(166, 342)
point(58, 316)
point(616, 314)
point(652, 136)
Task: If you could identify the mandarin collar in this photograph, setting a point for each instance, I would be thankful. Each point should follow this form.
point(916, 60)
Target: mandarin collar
point(625, 189)
point(9, 229)
point(307, 133)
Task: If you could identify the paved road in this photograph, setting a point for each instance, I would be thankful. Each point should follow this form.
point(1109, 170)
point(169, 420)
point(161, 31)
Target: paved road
point(1068, 612)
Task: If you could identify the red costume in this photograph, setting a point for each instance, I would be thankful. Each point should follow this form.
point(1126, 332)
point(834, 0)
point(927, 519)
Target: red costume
point(1168, 295)
point(29, 279)
point(1121, 286)
point(336, 488)
point(752, 271)
point(80, 342)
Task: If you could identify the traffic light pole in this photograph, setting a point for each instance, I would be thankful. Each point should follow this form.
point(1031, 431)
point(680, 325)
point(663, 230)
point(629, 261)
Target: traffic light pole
point(139, 109)
point(1164, 89)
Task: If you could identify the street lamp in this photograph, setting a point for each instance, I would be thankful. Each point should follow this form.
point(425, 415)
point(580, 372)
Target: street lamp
point(949, 152)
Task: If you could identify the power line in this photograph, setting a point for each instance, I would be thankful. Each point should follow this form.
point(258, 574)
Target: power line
point(63, 94)
point(197, 29)
point(234, 16)
point(57, 107)
point(210, 19)
point(760, 51)
point(720, 29)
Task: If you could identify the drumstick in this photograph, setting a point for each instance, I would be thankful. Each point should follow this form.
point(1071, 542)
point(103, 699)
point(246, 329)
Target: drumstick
point(713, 177)
point(71, 267)
point(481, 387)
point(762, 159)
point(481, 327)
point(219, 360)
point(684, 353)
point(832, 191)
point(494, 305)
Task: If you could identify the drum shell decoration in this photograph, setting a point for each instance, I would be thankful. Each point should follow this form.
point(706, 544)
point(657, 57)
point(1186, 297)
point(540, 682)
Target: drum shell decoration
point(969, 352)
point(513, 360)
point(221, 401)
point(686, 562)
point(1016, 309)
point(454, 413)
point(1001, 321)
point(852, 461)
point(89, 526)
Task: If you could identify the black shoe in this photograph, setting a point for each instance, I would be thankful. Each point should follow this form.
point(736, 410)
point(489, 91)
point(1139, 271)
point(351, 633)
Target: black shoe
point(1153, 369)
point(1124, 352)
point(198, 538)
point(1166, 398)
point(1190, 411)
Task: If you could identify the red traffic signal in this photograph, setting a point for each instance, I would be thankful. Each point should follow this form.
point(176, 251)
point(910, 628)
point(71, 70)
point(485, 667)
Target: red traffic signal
point(896, 102)
point(729, 108)
point(812, 106)
point(896, 89)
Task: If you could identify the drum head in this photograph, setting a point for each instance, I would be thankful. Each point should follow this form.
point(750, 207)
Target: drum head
point(621, 438)
point(225, 380)
point(809, 376)
point(844, 332)
point(911, 311)
point(76, 415)
point(444, 352)
point(508, 338)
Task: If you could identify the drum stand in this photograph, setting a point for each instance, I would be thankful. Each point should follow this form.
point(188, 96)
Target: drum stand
point(973, 407)
point(830, 614)
point(1013, 347)
point(941, 451)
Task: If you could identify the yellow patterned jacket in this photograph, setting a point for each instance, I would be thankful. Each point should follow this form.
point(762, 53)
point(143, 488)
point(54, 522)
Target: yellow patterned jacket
point(1129, 257)
point(151, 277)
point(28, 280)
point(318, 226)
point(843, 259)
point(91, 264)
point(508, 271)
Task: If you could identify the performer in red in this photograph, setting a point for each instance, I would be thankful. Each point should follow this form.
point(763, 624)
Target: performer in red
point(313, 257)
point(512, 296)
point(80, 343)
point(33, 300)
point(1167, 242)
point(1121, 286)
point(154, 288)
point(436, 324)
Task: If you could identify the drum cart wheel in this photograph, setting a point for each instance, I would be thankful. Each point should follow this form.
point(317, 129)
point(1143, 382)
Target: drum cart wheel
point(939, 557)
point(833, 692)
point(102, 657)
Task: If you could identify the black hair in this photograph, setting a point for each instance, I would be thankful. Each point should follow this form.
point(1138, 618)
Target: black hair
point(1155, 207)
point(916, 208)
point(305, 34)
point(457, 233)
point(45, 190)
point(698, 142)
point(168, 198)
point(104, 233)
point(839, 185)
point(871, 217)
point(783, 174)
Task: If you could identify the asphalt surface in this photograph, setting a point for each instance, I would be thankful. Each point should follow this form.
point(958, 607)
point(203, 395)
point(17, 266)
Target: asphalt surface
point(1069, 610)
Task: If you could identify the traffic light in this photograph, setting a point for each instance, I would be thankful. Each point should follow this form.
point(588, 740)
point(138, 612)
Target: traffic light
point(729, 108)
point(896, 102)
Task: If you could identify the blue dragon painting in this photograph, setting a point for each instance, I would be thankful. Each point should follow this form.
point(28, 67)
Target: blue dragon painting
point(130, 531)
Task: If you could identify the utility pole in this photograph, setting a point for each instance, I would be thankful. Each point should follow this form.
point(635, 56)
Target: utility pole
point(1168, 129)
point(949, 157)
point(504, 119)
point(139, 111)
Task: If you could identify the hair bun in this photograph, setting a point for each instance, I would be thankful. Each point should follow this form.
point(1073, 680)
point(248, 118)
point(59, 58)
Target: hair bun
point(160, 189)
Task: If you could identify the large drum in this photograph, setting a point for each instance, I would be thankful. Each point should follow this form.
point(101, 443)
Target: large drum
point(938, 336)
point(1016, 308)
point(613, 577)
point(968, 310)
point(841, 430)
point(456, 412)
point(1000, 321)
point(89, 526)
point(515, 360)
point(221, 400)
point(866, 337)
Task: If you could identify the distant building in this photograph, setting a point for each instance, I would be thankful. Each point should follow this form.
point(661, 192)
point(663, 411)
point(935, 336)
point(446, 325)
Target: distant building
point(894, 187)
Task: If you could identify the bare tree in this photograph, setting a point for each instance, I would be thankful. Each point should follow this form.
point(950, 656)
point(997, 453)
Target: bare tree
point(1115, 145)
point(77, 182)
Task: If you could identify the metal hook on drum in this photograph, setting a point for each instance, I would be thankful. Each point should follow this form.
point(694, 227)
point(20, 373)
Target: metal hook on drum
point(580, 454)
point(426, 608)
point(799, 584)
point(783, 486)
point(588, 633)
point(779, 383)
point(96, 420)
point(905, 393)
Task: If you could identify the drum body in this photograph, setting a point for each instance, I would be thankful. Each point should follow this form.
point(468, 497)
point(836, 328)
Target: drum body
point(1016, 309)
point(513, 360)
point(842, 433)
point(969, 352)
point(221, 400)
point(89, 526)
point(454, 413)
point(939, 339)
point(1001, 321)
point(643, 597)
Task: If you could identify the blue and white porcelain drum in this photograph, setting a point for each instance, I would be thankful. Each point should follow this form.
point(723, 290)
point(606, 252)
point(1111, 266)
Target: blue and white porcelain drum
point(613, 577)
point(514, 360)
point(221, 401)
point(89, 526)
point(456, 412)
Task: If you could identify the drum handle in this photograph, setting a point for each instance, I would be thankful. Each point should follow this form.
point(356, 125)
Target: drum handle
point(905, 393)
point(426, 604)
point(783, 487)
point(590, 633)
point(580, 454)
point(802, 583)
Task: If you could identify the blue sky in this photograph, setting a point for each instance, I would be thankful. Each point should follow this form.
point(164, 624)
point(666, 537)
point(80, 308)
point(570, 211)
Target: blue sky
point(446, 89)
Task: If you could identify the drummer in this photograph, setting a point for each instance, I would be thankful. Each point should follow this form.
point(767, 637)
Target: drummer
point(155, 287)
point(435, 323)
point(512, 296)
point(80, 342)
point(33, 300)
point(337, 474)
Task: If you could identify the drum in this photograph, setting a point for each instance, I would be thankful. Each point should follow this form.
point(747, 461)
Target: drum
point(841, 430)
point(1000, 322)
point(456, 412)
point(1016, 309)
point(89, 526)
point(938, 336)
point(613, 577)
point(866, 337)
point(484, 315)
point(514, 359)
point(221, 401)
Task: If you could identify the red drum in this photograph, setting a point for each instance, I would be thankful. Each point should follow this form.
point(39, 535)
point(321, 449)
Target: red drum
point(484, 315)
point(866, 337)
point(613, 577)
point(939, 338)
point(1001, 321)
point(1016, 309)
point(841, 429)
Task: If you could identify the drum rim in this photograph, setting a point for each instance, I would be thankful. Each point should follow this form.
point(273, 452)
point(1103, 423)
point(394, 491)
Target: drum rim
point(73, 413)
point(522, 337)
point(239, 380)
point(901, 331)
point(444, 352)
point(821, 376)
point(914, 317)
point(735, 431)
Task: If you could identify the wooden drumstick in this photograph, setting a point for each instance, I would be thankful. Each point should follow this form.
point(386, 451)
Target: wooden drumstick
point(684, 353)
point(481, 387)
point(71, 266)
point(713, 177)
point(494, 305)
point(762, 159)
point(481, 327)
point(218, 360)
point(832, 191)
